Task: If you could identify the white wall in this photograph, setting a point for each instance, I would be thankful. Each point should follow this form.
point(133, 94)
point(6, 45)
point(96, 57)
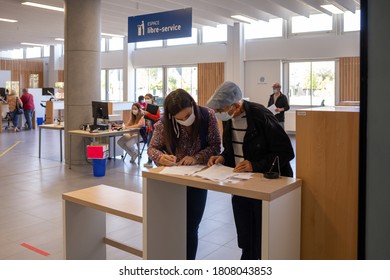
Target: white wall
point(180, 55)
point(5, 75)
point(256, 90)
point(301, 47)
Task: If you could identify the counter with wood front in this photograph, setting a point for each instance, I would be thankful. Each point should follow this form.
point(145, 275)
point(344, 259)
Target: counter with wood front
point(327, 146)
point(164, 216)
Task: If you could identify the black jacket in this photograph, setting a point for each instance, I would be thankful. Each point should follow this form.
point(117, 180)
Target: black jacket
point(264, 140)
point(281, 102)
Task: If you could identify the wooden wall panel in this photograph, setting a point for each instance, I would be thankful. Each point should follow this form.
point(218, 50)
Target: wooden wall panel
point(210, 76)
point(349, 79)
point(60, 76)
point(21, 70)
point(327, 159)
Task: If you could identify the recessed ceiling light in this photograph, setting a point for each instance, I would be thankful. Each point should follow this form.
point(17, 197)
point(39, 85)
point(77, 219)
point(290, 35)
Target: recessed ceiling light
point(332, 8)
point(8, 20)
point(244, 18)
point(32, 44)
point(59, 39)
point(43, 6)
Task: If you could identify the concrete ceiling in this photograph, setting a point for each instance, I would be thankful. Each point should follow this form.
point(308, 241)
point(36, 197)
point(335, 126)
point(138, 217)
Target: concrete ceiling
point(43, 26)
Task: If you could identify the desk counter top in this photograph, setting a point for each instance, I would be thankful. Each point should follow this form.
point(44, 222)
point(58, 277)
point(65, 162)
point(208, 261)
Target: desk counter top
point(257, 187)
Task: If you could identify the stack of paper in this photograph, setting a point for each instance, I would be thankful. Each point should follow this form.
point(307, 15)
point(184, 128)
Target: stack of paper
point(220, 172)
point(216, 172)
point(182, 169)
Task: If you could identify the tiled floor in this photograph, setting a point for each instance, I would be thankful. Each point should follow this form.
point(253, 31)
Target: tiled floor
point(31, 204)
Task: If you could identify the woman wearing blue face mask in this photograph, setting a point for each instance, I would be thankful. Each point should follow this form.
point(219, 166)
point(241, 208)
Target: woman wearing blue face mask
point(280, 101)
point(187, 134)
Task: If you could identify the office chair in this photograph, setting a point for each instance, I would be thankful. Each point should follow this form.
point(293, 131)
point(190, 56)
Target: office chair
point(144, 136)
point(8, 118)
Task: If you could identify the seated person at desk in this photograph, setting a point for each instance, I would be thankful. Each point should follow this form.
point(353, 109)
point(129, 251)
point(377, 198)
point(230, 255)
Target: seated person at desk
point(128, 141)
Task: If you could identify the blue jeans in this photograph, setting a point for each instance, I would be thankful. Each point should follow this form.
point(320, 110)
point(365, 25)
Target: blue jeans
point(15, 119)
point(28, 115)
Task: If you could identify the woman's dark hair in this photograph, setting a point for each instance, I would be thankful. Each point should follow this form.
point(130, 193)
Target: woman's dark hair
point(176, 101)
point(141, 98)
point(135, 119)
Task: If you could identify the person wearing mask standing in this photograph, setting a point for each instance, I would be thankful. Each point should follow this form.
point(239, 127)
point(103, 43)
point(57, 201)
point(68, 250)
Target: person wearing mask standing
point(252, 139)
point(28, 107)
point(187, 134)
point(13, 99)
point(150, 120)
point(280, 101)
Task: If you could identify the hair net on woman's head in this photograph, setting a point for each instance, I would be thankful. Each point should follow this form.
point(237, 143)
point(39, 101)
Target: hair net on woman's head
point(225, 95)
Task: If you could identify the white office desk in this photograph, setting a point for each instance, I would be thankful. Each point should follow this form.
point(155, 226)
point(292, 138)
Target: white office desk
point(83, 133)
point(164, 200)
point(55, 127)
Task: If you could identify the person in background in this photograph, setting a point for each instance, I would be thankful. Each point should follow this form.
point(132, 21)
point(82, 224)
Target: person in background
point(129, 140)
point(6, 94)
point(280, 101)
point(150, 120)
point(28, 107)
point(12, 100)
point(141, 102)
point(252, 139)
point(187, 134)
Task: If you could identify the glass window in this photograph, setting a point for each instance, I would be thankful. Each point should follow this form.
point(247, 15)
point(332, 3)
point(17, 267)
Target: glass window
point(149, 44)
point(115, 84)
point(185, 41)
point(185, 78)
point(33, 52)
point(102, 44)
point(46, 51)
point(315, 23)
point(352, 21)
point(13, 54)
point(103, 79)
point(263, 29)
point(115, 44)
point(312, 83)
point(149, 80)
point(34, 81)
point(214, 34)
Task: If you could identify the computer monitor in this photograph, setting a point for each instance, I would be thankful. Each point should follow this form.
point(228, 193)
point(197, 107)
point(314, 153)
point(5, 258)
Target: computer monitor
point(99, 111)
point(2, 93)
point(48, 91)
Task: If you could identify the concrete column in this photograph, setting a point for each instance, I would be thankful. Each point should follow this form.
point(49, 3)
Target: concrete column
point(234, 68)
point(81, 69)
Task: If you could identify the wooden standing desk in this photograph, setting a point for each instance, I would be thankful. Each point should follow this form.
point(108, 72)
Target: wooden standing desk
point(164, 201)
point(55, 127)
point(51, 107)
point(83, 133)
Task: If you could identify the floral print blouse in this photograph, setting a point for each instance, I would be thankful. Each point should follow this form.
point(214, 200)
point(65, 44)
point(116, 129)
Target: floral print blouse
point(186, 147)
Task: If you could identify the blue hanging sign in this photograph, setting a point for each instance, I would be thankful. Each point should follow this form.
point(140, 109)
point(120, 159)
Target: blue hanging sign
point(160, 26)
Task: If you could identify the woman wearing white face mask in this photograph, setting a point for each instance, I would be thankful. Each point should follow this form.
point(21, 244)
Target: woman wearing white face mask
point(252, 139)
point(128, 141)
point(187, 134)
point(280, 101)
point(150, 120)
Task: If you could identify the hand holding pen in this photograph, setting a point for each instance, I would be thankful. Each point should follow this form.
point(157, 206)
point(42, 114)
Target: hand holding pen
point(167, 160)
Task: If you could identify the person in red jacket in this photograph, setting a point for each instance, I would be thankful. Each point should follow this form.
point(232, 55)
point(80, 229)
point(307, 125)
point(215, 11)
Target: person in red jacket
point(150, 120)
point(28, 107)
